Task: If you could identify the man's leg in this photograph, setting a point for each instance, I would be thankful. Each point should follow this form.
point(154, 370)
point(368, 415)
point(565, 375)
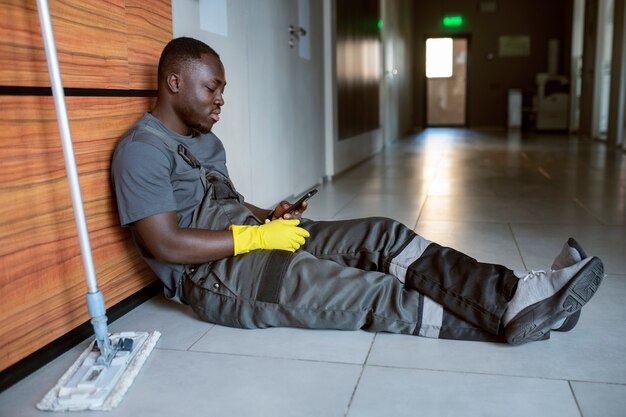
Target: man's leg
point(475, 292)
point(537, 303)
point(479, 293)
point(280, 289)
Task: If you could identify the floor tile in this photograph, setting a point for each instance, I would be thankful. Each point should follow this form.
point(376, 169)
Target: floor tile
point(403, 392)
point(497, 186)
point(174, 383)
point(415, 168)
point(403, 207)
point(327, 203)
point(179, 326)
point(600, 400)
point(408, 218)
point(21, 399)
point(509, 210)
point(610, 210)
point(403, 190)
point(319, 345)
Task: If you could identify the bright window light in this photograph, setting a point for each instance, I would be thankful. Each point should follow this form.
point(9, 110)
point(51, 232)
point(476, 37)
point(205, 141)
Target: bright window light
point(439, 58)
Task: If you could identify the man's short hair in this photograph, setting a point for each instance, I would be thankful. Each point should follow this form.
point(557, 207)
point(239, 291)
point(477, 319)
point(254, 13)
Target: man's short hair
point(180, 51)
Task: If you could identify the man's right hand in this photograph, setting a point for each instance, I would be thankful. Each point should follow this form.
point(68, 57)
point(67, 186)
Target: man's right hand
point(277, 234)
point(280, 212)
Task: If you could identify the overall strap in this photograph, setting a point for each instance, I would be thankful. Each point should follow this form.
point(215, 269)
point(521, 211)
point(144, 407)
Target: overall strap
point(181, 150)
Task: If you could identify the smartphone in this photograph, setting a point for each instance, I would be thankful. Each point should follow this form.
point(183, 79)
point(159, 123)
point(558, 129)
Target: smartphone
point(295, 206)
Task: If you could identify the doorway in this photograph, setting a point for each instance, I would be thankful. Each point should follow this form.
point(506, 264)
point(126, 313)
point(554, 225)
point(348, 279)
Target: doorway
point(446, 81)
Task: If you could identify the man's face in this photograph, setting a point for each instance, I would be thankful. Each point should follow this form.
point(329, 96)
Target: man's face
point(201, 93)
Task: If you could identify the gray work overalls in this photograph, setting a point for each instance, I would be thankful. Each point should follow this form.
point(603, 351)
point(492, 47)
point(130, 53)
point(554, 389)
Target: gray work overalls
point(373, 274)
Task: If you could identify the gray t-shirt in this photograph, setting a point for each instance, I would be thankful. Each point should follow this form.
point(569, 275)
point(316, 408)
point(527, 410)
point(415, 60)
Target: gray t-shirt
point(150, 178)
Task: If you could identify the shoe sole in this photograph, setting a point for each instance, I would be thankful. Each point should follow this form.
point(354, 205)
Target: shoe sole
point(536, 320)
point(571, 321)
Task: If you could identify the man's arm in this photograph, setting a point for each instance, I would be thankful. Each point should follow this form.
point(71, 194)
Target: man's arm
point(172, 244)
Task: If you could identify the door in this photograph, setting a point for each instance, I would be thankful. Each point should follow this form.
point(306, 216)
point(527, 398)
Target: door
point(285, 76)
point(307, 96)
point(270, 99)
point(446, 81)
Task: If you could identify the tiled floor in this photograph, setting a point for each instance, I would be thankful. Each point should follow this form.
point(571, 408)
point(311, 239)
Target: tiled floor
point(501, 199)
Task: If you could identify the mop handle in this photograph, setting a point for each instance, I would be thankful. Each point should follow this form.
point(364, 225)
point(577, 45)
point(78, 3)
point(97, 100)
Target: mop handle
point(66, 141)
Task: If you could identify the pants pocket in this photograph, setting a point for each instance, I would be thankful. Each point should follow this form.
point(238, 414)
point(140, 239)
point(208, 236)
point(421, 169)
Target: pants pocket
point(210, 298)
point(203, 278)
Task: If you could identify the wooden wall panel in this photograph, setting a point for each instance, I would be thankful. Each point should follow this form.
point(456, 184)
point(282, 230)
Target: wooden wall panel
point(91, 43)
point(103, 45)
point(43, 287)
point(149, 23)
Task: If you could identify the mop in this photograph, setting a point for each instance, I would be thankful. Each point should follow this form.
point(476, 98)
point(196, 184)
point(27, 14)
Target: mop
point(103, 373)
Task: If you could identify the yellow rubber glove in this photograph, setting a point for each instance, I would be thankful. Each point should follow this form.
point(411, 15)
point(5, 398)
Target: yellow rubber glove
point(277, 234)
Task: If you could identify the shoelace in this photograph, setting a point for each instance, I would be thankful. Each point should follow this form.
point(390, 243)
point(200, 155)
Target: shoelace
point(533, 274)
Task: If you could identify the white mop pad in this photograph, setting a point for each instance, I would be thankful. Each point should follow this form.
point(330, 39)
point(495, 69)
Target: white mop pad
point(88, 386)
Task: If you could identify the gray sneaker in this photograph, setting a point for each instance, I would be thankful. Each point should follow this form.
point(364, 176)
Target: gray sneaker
point(571, 254)
point(534, 321)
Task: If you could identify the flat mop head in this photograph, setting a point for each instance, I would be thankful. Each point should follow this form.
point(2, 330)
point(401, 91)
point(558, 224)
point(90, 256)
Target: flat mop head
point(88, 385)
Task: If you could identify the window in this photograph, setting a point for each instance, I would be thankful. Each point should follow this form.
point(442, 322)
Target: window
point(439, 58)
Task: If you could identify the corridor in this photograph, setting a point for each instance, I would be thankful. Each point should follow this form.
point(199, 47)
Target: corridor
point(498, 197)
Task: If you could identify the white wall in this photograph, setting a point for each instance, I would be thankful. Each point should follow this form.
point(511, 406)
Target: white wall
point(233, 128)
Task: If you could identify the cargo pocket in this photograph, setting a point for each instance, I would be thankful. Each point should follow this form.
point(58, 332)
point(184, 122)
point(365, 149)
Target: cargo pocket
point(209, 297)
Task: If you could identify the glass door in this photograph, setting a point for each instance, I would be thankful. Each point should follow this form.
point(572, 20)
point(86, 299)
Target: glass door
point(446, 81)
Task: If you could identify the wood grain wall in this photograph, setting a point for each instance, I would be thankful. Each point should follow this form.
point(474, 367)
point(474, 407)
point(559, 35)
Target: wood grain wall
point(106, 49)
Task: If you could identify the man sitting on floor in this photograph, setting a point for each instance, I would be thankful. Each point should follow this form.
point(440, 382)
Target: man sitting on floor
point(239, 265)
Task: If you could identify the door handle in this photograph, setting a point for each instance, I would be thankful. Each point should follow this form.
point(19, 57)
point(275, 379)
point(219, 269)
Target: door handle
point(295, 32)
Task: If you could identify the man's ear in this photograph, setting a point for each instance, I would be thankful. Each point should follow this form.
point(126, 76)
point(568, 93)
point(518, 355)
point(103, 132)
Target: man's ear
point(173, 82)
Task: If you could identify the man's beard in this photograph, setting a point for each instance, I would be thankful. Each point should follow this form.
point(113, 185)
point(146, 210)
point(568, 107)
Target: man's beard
point(198, 125)
point(198, 132)
point(201, 129)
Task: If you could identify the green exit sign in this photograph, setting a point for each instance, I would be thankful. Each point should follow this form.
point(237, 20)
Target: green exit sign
point(453, 21)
